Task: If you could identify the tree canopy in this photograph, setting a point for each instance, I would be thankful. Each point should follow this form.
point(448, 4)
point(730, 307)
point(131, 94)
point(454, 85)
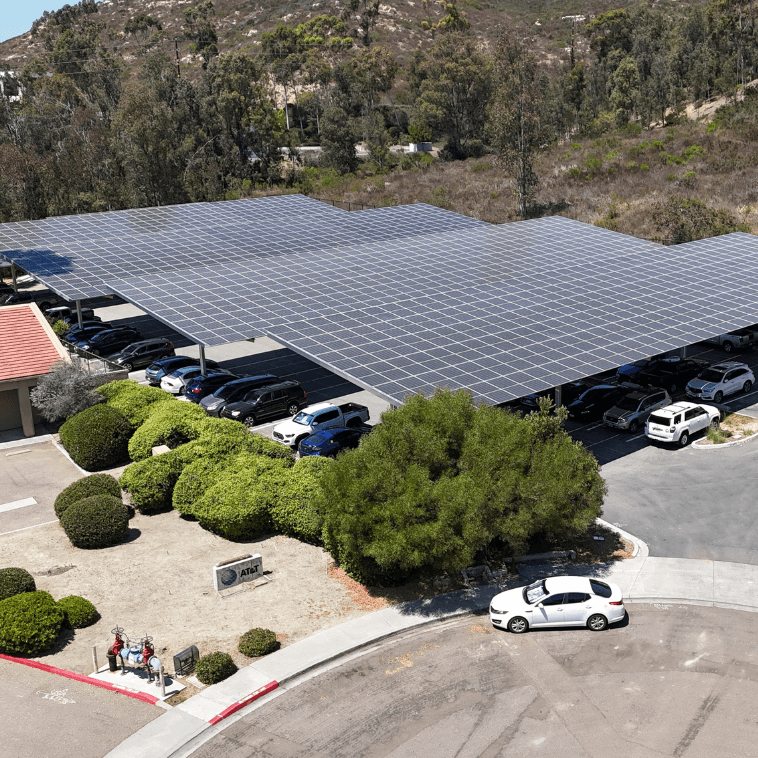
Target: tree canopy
point(441, 478)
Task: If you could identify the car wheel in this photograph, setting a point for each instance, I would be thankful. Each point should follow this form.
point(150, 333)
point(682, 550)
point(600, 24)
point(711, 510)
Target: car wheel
point(747, 386)
point(128, 367)
point(718, 397)
point(634, 426)
point(248, 421)
point(44, 305)
point(684, 438)
point(518, 625)
point(296, 443)
point(728, 347)
point(597, 622)
point(293, 409)
point(715, 425)
point(672, 389)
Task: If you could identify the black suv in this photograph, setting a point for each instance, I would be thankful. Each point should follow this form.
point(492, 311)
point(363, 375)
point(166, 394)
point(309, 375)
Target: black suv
point(283, 399)
point(235, 391)
point(141, 354)
point(110, 341)
point(596, 401)
point(44, 298)
point(673, 373)
point(89, 329)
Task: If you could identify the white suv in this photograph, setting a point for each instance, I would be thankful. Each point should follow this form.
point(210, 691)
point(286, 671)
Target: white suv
point(715, 382)
point(678, 422)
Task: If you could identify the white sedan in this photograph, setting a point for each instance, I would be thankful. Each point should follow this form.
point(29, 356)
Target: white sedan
point(558, 601)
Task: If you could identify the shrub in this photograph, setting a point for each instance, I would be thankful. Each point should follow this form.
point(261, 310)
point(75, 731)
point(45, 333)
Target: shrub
point(60, 327)
point(63, 392)
point(196, 478)
point(96, 484)
point(150, 483)
point(258, 642)
point(132, 399)
point(294, 511)
point(14, 581)
point(238, 506)
point(215, 667)
point(97, 521)
point(29, 623)
point(170, 424)
point(78, 612)
point(97, 438)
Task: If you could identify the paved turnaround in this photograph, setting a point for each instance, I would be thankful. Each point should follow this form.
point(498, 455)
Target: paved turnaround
point(641, 578)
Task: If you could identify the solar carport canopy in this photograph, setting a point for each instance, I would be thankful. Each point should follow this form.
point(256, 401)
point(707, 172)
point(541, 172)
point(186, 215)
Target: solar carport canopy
point(413, 297)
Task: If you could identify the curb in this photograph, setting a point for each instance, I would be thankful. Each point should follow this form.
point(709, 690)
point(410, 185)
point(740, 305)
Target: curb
point(152, 699)
point(26, 441)
point(240, 704)
point(742, 441)
point(640, 547)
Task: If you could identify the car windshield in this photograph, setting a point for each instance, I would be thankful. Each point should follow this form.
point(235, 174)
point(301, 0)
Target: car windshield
point(306, 419)
point(594, 394)
point(711, 375)
point(535, 592)
point(628, 404)
point(662, 420)
point(225, 391)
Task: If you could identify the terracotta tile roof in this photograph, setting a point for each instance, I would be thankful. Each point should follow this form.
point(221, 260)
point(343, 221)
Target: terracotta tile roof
point(27, 348)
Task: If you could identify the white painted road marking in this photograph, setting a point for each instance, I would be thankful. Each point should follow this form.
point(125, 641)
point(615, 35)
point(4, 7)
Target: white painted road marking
point(18, 452)
point(17, 504)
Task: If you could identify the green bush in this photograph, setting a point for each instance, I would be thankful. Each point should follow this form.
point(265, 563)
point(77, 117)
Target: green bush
point(29, 623)
point(60, 327)
point(221, 437)
point(134, 400)
point(215, 667)
point(97, 521)
point(14, 581)
point(258, 642)
point(97, 438)
point(78, 611)
point(96, 484)
point(294, 511)
point(170, 424)
point(150, 483)
point(196, 478)
point(238, 506)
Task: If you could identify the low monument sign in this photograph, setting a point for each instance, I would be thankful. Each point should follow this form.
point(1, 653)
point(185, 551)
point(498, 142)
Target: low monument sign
point(236, 571)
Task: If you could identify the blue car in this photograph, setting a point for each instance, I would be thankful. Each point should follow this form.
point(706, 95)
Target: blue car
point(201, 386)
point(158, 369)
point(330, 442)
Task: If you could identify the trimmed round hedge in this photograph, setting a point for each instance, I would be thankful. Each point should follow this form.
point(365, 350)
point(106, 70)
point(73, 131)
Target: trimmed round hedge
point(78, 612)
point(96, 484)
point(29, 623)
point(258, 642)
point(294, 512)
point(150, 483)
point(14, 581)
point(97, 438)
point(134, 400)
point(215, 667)
point(97, 521)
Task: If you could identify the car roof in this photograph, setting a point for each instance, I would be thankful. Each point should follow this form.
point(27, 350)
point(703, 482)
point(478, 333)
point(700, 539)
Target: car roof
point(150, 341)
point(727, 365)
point(678, 407)
point(186, 369)
point(567, 584)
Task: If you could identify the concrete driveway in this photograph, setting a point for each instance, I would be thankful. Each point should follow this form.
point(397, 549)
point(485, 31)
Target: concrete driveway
point(673, 681)
point(31, 477)
point(688, 502)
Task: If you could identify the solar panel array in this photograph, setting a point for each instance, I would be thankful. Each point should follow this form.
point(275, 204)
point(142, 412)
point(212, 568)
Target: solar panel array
point(401, 300)
point(500, 310)
point(75, 255)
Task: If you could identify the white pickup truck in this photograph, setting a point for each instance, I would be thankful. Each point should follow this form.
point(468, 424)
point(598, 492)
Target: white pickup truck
point(738, 338)
point(314, 418)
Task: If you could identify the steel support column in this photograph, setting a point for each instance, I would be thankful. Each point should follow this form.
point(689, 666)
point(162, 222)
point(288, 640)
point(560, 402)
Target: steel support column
point(79, 312)
point(558, 396)
point(202, 359)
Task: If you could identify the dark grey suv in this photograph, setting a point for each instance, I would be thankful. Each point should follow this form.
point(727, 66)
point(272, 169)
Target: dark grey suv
point(143, 353)
point(630, 412)
point(235, 391)
point(283, 399)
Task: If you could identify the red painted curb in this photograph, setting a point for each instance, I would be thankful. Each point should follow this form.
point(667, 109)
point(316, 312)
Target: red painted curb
point(270, 687)
point(80, 678)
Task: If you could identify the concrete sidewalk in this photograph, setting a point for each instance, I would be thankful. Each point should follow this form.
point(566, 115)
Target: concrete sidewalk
point(641, 578)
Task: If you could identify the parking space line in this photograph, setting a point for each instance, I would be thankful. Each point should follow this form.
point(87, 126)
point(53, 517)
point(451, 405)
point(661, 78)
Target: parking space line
point(17, 504)
point(607, 439)
point(638, 437)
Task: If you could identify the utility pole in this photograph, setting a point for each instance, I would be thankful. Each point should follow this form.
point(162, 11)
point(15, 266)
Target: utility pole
point(176, 50)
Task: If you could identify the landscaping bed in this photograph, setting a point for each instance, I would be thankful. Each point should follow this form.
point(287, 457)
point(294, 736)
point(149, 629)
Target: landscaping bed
point(733, 428)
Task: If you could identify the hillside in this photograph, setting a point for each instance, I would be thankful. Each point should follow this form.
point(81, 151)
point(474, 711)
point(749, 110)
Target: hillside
point(239, 24)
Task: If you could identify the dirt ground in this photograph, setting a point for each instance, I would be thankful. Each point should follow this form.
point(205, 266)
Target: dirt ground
point(160, 582)
point(734, 427)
